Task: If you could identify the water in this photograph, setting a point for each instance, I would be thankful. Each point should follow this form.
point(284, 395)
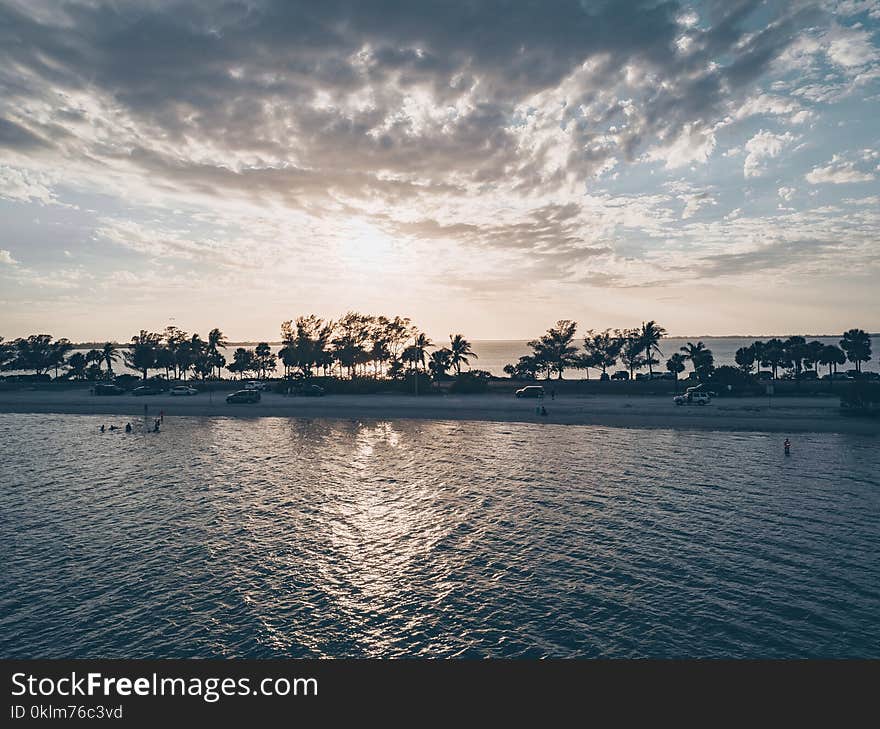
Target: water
point(280, 537)
point(493, 354)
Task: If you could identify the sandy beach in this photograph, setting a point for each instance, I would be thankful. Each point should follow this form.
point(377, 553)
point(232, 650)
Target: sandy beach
point(783, 415)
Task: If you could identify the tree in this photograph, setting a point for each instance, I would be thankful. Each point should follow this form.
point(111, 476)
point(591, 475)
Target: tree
point(264, 359)
point(795, 352)
point(242, 361)
point(650, 335)
point(6, 354)
point(774, 355)
point(745, 358)
point(460, 351)
point(217, 341)
point(675, 364)
point(108, 353)
point(603, 348)
point(141, 354)
point(34, 352)
point(812, 351)
point(700, 358)
point(584, 361)
point(415, 353)
point(76, 366)
point(528, 367)
point(631, 350)
point(440, 361)
point(831, 356)
point(857, 345)
point(556, 348)
point(58, 352)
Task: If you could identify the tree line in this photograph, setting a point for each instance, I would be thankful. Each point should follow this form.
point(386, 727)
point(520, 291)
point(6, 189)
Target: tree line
point(356, 345)
point(365, 345)
point(639, 347)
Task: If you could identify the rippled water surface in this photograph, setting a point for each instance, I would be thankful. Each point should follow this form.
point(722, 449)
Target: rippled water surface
point(280, 537)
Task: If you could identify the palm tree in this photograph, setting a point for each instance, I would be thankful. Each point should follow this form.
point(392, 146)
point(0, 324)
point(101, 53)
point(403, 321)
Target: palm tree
point(675, 364)
point(700, 357)
point(108, 353)
point(857, 345)
point(421, 344)
point(650, 336)
point(461, 350)
point(831, 356)
point(440, 362)
point(217, 340)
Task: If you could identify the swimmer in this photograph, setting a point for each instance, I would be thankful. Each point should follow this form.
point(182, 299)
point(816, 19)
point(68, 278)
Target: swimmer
point(113, 427)
point(128, 427)
point(787, 446)
point(102, 427)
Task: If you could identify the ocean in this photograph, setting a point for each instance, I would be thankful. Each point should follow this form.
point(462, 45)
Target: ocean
point(276, 537)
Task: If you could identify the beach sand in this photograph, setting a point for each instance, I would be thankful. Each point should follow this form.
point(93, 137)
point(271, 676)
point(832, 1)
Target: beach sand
point(783, 415)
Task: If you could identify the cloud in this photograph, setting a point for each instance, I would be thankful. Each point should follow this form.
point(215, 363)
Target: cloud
point(837, 172)
point(6, 258)
point(786, 193)
point(764, 145)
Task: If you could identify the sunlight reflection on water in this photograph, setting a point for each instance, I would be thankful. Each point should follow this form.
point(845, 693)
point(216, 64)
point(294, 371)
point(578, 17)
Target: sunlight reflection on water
point(283, 537)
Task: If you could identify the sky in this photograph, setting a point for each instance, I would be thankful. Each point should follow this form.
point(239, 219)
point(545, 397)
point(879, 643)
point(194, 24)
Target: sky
point(481, 167)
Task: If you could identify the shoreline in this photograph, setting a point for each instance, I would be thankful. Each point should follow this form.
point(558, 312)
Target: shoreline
point(793, 415)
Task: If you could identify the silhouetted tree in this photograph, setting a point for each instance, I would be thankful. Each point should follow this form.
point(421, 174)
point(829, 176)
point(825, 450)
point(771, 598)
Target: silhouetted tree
point(857, 345)
point(831, 356)
point(217, 341)
point(631, 350)
point(774, 355)
point(650, 336)
point(108, 352)
point(745, 358)
point(556, 348)
point(675, 364)
point(603, 348)
point(141, 354)
point(264, 359)
point(243, 360)
point(460, 349)
point(700, 358)
point(439, 363)
point(76, 366)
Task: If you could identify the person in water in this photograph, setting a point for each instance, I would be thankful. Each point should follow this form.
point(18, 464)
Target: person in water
point(787, 446)
point(102, 427)
point(156, 427)
point(543, 410)
point(128, 427)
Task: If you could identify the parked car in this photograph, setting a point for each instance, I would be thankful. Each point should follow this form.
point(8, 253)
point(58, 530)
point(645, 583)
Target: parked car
point(530, 391)
point(310, 391)
point(620, 375)
point(809, 375)
point(108, 389)
point(184, 390)
point(146, 390)
point(244, 396)
point(837, 376)
point(257, 385)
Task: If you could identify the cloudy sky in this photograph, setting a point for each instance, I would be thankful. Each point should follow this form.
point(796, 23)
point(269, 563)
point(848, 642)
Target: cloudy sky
point(483, 166)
